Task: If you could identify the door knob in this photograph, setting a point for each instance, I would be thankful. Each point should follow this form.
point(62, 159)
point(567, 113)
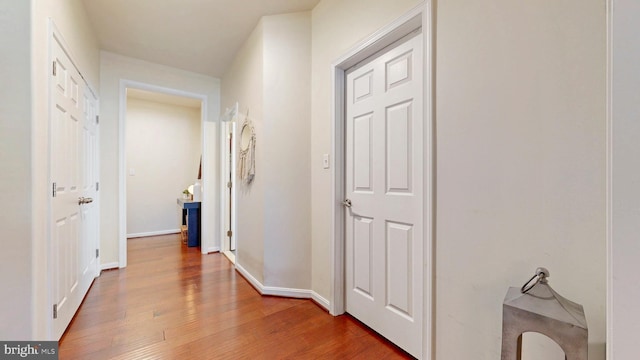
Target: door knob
point(347, 203)
point(84, 200)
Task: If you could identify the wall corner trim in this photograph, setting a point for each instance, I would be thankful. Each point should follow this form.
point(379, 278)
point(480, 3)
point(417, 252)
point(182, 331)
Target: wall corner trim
point(110, 266)
point(210, 250)
point(281, 291)
point(609, 311)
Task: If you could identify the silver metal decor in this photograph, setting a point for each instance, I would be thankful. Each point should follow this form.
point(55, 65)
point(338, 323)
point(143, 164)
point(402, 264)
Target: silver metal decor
point(536, 307)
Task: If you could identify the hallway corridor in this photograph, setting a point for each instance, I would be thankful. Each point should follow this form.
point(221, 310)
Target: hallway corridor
point(173, 303)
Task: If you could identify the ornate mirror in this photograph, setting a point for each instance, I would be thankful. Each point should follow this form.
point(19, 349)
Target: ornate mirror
point(245, 137)
point(247, 160)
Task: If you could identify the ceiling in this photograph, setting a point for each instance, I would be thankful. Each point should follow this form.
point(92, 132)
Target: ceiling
point(202, 36)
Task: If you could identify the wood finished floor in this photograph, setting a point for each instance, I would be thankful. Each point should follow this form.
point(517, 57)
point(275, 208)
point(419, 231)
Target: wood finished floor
point(173, 303)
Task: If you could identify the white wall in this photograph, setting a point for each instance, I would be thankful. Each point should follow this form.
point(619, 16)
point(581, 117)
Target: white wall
point(270, 77)
point(115, 68)
point(520, 164)
point(243, 83)
point(287, 168)
point(163, 149)
point(16, 274)
point(520, 109)
point(625, 170)
point(25, 137)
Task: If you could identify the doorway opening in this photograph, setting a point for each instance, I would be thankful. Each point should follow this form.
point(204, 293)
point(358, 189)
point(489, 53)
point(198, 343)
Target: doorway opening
point(163, 160)
point(228, 173)
point(167, 157)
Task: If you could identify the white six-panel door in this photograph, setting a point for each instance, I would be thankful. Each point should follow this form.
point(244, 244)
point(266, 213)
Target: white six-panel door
point(384, 171)
point(90, 183)
point(73, 177)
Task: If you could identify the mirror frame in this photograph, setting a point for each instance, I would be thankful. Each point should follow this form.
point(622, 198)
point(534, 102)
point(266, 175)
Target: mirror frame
point(246, 136)
point(246, 152)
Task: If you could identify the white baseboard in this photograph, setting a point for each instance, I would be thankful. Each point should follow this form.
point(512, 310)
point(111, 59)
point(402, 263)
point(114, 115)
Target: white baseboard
point(283, 292)
point(213, 249)
point(287, 292)
point(153, 233)
point(252, 280)
point(231, 256)
point(109, 266)
point(321, 301)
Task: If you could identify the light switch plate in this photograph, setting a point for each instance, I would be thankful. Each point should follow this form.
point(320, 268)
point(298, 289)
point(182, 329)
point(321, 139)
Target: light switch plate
point(132, 172)
point(325, 161)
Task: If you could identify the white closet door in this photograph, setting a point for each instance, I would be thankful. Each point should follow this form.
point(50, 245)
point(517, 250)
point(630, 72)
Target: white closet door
point(384, 230)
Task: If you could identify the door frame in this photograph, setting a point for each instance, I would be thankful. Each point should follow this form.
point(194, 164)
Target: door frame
point(622, 174)
point(419, 17)
point(228, 123)
point(207, 182)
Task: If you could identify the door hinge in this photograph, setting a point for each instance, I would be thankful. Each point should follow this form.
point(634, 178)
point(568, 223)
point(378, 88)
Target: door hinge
point(229, 184)
point(55, 189)
point(55, 311)
point(97, 119)
point(55, 68)
point(97, 253)
point(97, 185)
point(229, 233)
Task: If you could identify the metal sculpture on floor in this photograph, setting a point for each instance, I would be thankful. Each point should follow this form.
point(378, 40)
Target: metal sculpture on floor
point(537, 308)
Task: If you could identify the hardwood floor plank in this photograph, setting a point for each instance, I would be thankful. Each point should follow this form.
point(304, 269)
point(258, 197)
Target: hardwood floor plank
point(171, 302)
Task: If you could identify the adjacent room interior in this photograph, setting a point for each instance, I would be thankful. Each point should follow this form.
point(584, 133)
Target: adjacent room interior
point(163, 146)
